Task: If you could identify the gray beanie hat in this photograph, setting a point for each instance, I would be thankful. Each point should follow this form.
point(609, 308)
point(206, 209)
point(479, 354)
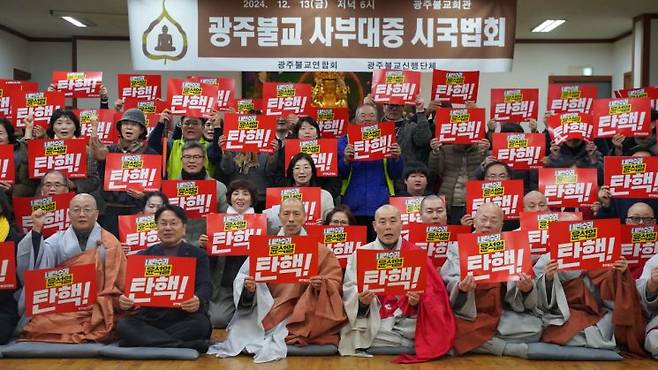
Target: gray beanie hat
point(134, 115)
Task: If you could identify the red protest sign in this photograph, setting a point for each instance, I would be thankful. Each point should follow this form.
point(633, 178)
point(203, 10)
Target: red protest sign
point(9, 93)
point(282, 99)
point(567, 126)
point(280, 259)
point(628, 116)
point(249, 133)
point(141, 172)
point(567, 98)
point(41, 105)
point(7, 265)
point(494, 258)
point(332, 121)
point(460, 126)
point(7, 165)
point(139, 86)
point(60, 290)
point(105, 117)
point(455, 87)
point(391, 272)
point(371, 142)
point(78, 84)
point(68, 156)
point(189, 98)
point(225, 90)
point(536, 224)
point(309, 196)
point(159, 281)
point(650, 92)
point(508, 194)
point(146, 106)
point(196, 197)
point(230, 235)
point(395, 87)
point(514, 105)
point(409, 208)
point(341, 240)
point(435, 239)
point(631, 177)
point(585, 245)
point(568, 187)
point(137, 232)
point(638, 243)
point(519, 151)
point(248, 106)
point(55, 206)
point(323, 151)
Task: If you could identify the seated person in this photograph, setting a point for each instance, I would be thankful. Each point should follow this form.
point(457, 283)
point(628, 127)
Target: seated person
point(269, 316)
point(493, 318)
point(184, 327)
point(421, 320)
point(647, 287)
point(84, 242)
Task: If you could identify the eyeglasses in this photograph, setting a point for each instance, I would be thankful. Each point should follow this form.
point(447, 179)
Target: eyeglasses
point(638, 219)
point(493, 176)
point(78, 211)
point(191, 123)
point(53, 185)
point(163, 224)
point(192, 157)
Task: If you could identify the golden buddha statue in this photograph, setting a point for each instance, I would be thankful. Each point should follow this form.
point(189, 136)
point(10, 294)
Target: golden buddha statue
point(330, 90)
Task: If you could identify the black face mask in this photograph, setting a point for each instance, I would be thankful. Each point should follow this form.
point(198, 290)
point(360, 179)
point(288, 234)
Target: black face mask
point(194, 176)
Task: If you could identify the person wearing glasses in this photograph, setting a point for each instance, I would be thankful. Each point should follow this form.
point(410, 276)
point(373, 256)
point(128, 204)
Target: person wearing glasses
point(53, 183)
point(83, 242)
point(340, 215)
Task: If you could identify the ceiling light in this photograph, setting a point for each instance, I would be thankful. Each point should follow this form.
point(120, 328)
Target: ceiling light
point(74, 21)
point(548, 25)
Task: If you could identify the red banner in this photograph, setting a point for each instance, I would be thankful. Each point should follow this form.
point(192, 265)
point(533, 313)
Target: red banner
point(7, 265)
point(56, 208)
point(566, 98)
point(41, 105)
point(107, 134)
point(371, 142)
point(570, 126)
point(638, 243)
point(148, 106)
point(225, 90)
point(310, 196)
point(514, 105)
point(249, 133)
point(7, 165)
point(332, 121)
point(629, 117)
point(141, 172)
point(536, 224)
point(159, 281)
point(137, 232)
point(520, 151)
point(435, 239)
point(494, 258)
point(323, 151)
point(60, 290)
point(68, 156)
point(248, 106)
point(391, 272)
point(280, 259)
point(341, 240)
point(230, 235)
point(78, 84)
point(395, 87)
point(650, 92)
point(138, 86)
point(283, 99)
point(585, 245)
point(192, 99)
point(507, 194)
point(9, 92)
point(568, 187)
point(460, 126)
point(455, 87)
point(409, 208)
point(196, 197)
point(631, 177)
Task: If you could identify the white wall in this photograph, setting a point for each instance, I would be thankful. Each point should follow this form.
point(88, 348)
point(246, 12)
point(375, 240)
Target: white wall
point(622, 60)
point(46, 57)
point(14, 53)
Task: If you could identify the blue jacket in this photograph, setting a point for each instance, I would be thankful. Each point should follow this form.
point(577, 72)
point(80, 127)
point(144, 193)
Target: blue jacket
point(367, 190)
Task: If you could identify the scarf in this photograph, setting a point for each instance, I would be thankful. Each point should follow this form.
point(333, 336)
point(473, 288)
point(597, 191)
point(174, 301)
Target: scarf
point(194, 176)
point(246, 161)
point(134, 147)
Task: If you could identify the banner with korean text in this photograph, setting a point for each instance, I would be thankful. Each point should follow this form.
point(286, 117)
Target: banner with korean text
point(519, 151)
point(536, 224)
point(391, 272)
point(494, 258)
point(341, 240)
point(78, 84)
point(159, 281)
point(137, 232)
point(455, 87)
point(281, 259)
point(55, 206)
point(230, 235)
point(141, 172)
point(68, 156)
point(371, 142)
point(631, 177)
point(249, 133)
point(7, 265)
point(309, 196)
point(60, 290)
point(508, 194)
point(568, 187)
point(585, 245)
point(435, 239)
point(323, 151)
point(460, 126)
point(196, 197)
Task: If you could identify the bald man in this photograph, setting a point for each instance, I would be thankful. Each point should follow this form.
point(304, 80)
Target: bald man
point(433, 210)
point(83, 242)
point(396, 321)
point(535, 201)
point(270, 316)
point(494, 318)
